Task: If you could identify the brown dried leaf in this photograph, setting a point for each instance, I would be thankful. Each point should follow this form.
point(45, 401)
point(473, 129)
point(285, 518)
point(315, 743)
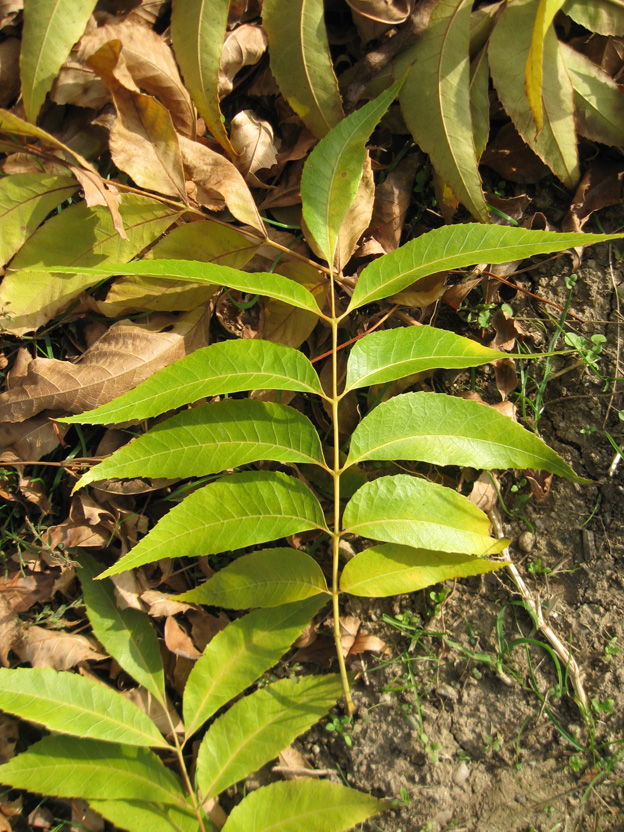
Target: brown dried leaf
point(161, 604)
point(253, 140)
point(178, 641)
point(424, 292)
point(244, 46)
point(9, 70)
point(505, 375)
point(204, 627)
point(128, 588)
point(30, 440)
point(41, 818)
point(150, 63)
point(98, 192)
point(367, 643)
point(143, 141)
point(283, 324)
point(88, 525)
point(514, 160)
point(213, 174)
point(602, 185)
point(55, 648)
point(84, 819)
point(484, 494)
point(539, 483)
point(21, 591)
point(9, 9)
point(9, 735)
point(126, 355)
point(144, 700)
point(290, 758)
point(392, 199)
point(10, 630)
point(507, 331)
point(80, 86)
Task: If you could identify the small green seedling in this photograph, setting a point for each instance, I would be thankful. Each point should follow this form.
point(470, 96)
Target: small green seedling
point(343, 726)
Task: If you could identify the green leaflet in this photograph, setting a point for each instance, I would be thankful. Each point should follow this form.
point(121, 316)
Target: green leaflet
point(213, 437)
point(237, 511)
point(133, 815)
point(239, 655)
point(304, 805)
point(270, 285)
point(75, 705)
point(258, 727)
point(92, 769)
point(605, 17)
point(51, 28)
point(28, 301)
point(261, 579)
point(197, 31)
point(421, 514)
point(534, 70)
point(125, 633)
point(435, 101)
point(396, 353)
point(332, 172)
point(391, 570)
point(227, 367)
point(480, 101)
point(456, 246)
point(301, 62)
point(598, 98)
point(445, 430)
point(26, 199)
point(508, 53)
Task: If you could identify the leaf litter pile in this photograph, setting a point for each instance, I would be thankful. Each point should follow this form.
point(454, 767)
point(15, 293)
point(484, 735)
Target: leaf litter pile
point(133, 128)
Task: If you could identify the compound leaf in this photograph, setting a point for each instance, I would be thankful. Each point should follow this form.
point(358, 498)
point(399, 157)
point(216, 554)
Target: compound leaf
point(258, 727)
point(72, 704)
point(301, 62)
point(446, 430)
point(226, 367)
point(197, 32)
point(213, 437)
point(454, 247)
point(92, 769)
point(332, 172)
point(395, 353)
point(261, 579)
point(290, 806)
point(435, 101)
point(51, 28)
point(240, 654)
point(237, 511)
point(421, 514)
point(125, 633)
point(26, 199)
point(269, 285)
point(393, 570)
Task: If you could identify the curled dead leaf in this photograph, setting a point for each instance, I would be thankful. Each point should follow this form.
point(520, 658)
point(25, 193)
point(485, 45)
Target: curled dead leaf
point(178, 641)
point(254, 141)
point(10, 629)
point(243, 46)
